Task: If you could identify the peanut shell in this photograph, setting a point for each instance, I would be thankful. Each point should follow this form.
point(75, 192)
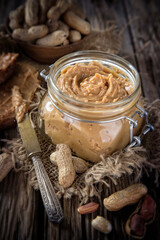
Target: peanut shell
point(127, 196)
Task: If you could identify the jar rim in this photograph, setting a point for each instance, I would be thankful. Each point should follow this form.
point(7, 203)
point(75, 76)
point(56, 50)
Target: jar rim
point(92, 55)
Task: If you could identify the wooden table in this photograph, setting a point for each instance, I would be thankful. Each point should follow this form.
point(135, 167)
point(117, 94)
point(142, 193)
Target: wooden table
point(22, 215)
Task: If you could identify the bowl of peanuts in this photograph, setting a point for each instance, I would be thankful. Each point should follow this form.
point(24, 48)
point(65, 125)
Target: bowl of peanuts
point(47, 30)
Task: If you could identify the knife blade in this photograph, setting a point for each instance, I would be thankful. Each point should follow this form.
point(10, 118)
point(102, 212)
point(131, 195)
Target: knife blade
point(31, 144)
point(29, 136)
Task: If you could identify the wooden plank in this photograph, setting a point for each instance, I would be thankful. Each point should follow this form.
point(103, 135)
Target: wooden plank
point(18, 211)
point(21, 208)
point(115, 13)
point(75, 223)
point(66, 224)
point(143, 34)
point(70, 228)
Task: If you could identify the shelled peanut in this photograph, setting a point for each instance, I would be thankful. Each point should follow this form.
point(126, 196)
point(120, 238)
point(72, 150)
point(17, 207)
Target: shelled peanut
point(136, 223)
point(88, 208)
point(53, 16)
point(142, 216)
point(102, 224)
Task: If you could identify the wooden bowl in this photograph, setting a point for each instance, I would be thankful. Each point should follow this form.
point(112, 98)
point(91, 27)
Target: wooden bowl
point(48, 54)
point(43, 54)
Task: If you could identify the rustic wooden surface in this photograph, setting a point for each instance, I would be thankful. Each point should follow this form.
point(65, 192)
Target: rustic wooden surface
point(22, 214)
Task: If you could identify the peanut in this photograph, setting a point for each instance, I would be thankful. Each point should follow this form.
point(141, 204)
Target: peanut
point(18, 103)
point(64, 27)
point(74, 36)
point(88, 208)
point(31, 12)
point(137, 226)
point(65, 42)
point(13, 24)
point(102, 224)
point(79, 164)
point(143, 215)
point(53, 39)
point(44, 7)
point(18, 14)
point(52, 25)
point(127, 196)
point(43, 10)
point(77, 23)
point(5, 165)
point(148, 208)
point(21, 34)
point(53, 158)
point(54, 13)
point(65, 165)
point(30, 34)
point(38, 31)
point(63, 6)
point(16, 17)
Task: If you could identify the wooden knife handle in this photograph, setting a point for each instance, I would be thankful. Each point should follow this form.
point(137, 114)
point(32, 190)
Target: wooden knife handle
point(49, 197)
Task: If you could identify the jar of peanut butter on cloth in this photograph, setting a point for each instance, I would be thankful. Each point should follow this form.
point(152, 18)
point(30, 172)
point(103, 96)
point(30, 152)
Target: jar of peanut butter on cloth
point(92, 104)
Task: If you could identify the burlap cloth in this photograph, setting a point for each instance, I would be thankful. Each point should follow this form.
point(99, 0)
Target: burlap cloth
point(126, 166)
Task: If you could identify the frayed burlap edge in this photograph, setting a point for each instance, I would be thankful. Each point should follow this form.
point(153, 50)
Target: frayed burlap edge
point(127, 163)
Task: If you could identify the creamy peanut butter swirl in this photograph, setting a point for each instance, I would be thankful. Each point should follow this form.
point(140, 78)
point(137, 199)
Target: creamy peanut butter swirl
point(93, 83)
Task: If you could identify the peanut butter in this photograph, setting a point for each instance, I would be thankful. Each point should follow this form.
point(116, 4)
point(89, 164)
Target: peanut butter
point(90, 83)
point(93, 83)
point(7, 65)
point(18, 103)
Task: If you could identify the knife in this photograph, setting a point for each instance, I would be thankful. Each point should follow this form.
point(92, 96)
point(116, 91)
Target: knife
point(31, 144)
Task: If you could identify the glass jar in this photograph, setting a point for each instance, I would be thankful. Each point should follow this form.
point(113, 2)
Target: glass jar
point(91, 129)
